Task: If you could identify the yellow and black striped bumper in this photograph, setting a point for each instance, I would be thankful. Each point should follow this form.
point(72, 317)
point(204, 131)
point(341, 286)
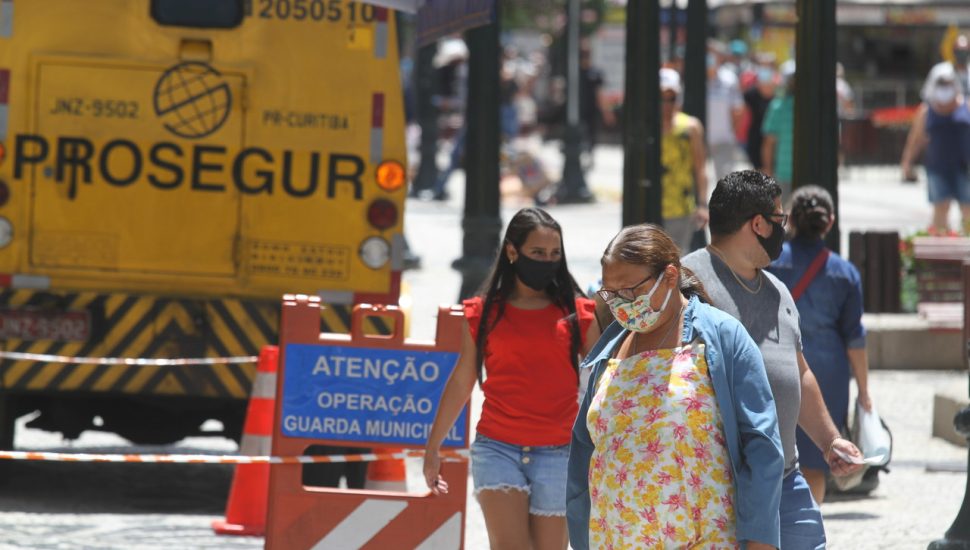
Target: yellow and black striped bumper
point(124, 325)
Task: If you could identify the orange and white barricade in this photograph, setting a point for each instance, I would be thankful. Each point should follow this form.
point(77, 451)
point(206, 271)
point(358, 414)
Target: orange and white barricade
point(368, 391)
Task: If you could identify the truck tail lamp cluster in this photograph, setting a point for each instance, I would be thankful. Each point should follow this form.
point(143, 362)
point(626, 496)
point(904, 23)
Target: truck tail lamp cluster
point(382, 214)
point(391, 175)
point(6, 228)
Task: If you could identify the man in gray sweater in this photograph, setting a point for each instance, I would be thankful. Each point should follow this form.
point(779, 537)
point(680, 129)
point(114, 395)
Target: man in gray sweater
point(747, 231)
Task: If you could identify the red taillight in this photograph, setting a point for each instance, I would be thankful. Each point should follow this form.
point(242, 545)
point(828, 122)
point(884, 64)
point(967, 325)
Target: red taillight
point(382, 214)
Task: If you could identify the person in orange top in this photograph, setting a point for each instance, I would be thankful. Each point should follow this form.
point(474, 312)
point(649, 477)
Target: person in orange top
point(529, 326)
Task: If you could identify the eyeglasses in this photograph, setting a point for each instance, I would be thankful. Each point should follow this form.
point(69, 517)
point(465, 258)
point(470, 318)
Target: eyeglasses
point(668, 99)
point(775, 216)
point(628, 294)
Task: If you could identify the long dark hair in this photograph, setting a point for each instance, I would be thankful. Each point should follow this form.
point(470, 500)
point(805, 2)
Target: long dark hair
point(648, 245)
point(497, 288)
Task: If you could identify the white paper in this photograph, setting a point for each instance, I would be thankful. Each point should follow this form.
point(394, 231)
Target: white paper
point(870, 460)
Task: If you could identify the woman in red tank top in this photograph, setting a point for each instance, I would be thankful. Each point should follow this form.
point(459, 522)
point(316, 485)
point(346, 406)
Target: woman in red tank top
point(528, 326)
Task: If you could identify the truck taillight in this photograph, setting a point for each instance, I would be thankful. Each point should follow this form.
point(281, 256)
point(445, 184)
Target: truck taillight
point(375, 252)
point(3, 153)
point(382, 214)
point(391, 175)
point(6, 232)
point(4, 192)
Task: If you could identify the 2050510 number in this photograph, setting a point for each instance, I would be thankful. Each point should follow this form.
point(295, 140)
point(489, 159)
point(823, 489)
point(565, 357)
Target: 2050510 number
point(316, 10)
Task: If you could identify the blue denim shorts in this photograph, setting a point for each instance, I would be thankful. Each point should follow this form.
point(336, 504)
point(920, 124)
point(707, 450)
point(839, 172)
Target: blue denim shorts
point(942, 186)
point(539, 471)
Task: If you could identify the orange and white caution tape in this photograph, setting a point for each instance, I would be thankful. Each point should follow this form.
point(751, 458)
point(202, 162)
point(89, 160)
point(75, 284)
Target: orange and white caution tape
point(155, 362)
point(456, 455)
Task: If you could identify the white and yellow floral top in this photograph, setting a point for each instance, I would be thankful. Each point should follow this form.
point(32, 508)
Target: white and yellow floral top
point(660, 474)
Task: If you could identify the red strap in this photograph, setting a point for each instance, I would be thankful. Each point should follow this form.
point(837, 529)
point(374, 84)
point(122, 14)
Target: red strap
point(810, 274)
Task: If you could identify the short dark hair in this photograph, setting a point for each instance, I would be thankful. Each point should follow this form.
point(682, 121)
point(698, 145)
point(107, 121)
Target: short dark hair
point(738, 197)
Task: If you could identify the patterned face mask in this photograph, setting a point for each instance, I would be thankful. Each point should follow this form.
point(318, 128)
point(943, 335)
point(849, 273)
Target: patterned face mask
point(637, 315)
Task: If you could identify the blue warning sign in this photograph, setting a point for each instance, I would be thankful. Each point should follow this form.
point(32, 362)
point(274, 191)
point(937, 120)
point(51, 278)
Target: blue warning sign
point(367, 395)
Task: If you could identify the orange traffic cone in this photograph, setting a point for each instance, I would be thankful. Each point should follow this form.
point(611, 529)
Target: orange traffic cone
point(387, 475)
point(246, 508)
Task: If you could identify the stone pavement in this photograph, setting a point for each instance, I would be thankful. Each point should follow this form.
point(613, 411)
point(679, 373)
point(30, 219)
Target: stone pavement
point(912, 505)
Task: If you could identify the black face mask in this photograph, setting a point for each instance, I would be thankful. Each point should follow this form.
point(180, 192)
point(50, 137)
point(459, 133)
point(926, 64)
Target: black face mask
point(772, 244)
point(535, 274)
point(961, 57)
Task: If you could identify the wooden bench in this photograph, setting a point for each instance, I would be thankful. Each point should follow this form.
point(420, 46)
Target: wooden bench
point(938, 262)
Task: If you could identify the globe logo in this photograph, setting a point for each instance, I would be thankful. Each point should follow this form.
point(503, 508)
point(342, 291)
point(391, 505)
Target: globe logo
point(192, 100)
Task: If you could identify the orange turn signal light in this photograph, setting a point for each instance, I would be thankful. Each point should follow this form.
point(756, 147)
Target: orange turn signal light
point(391, 175)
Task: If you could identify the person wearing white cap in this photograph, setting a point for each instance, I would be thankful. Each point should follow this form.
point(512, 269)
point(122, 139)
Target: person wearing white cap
point(942, 126)
point(683, 158)
point(958, 61)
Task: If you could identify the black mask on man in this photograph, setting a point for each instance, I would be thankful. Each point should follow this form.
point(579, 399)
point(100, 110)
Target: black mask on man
point(535, 274)
point(772, 244)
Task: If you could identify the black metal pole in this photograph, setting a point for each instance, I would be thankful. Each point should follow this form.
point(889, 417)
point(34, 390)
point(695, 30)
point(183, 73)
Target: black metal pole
point(572, 188)
point(482, 223)
point(695, 61)
point(957, 537)
point(641, 114)
point(816, 120)
point(424, 81)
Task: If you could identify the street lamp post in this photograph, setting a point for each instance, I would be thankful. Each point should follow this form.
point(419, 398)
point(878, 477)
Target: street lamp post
point(572, 188)
point(641, 114)
point(428, 119)
point(816, 119)
point(481, 222)
point(695, 61)
point(957, 537)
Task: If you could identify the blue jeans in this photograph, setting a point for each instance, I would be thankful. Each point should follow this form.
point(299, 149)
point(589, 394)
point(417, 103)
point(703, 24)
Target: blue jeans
point(801, 520)
point(538, 471)
point(454, 163)
point(945, 185)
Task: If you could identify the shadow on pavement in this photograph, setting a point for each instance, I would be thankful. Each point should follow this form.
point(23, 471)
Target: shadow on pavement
point(114, 488)
point(851, 516)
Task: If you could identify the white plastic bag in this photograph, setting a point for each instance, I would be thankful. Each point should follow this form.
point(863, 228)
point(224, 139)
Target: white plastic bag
point(872, 437)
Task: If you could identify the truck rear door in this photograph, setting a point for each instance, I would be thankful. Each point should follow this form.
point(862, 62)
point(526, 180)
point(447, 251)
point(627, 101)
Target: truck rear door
point(137, 179)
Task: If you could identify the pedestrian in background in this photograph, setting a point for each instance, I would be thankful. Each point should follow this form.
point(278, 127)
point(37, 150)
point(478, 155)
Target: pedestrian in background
point(778, 132)
point(684, 161)
point(845, 97)
point(529, 327)
point(958, 61)
point(725, 107)
point(595, 112)
point(828, 292)
point(941, 129)
point(747, 233)
point(451, 75)
point(676, 444)
point(757, 98)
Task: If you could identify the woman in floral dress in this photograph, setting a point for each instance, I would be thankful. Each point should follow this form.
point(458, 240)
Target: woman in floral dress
point(676, 444)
